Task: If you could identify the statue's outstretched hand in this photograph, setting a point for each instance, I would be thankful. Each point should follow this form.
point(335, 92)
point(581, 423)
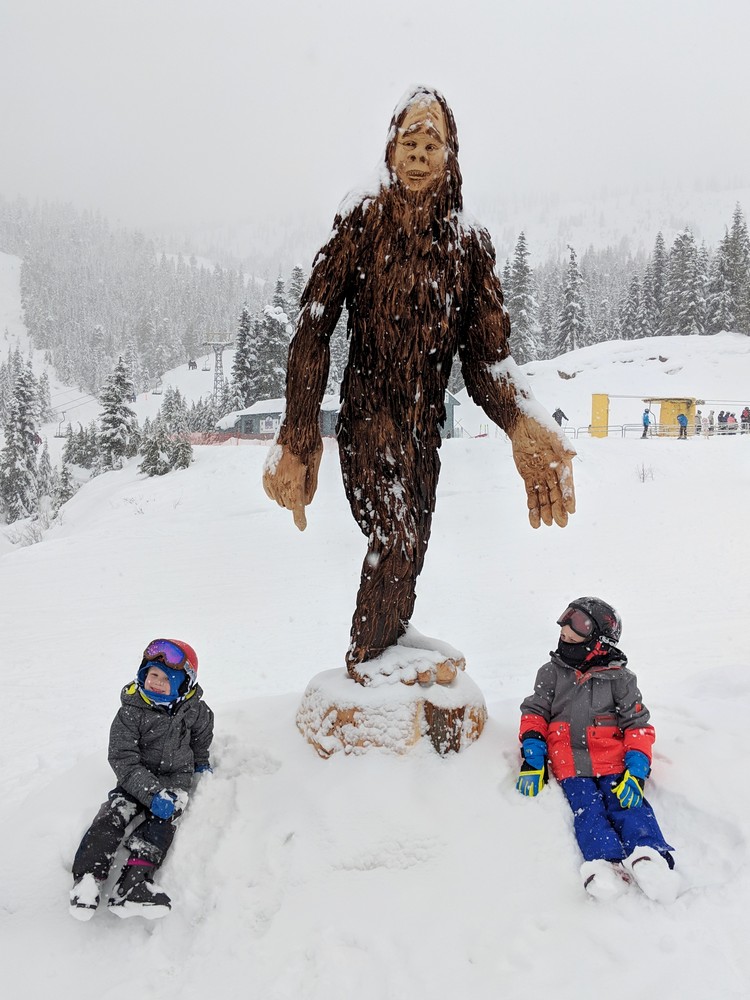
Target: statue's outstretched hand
point(545, 463)
point(291, 482)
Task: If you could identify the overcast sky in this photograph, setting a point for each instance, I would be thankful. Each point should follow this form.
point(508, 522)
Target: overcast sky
point(183, 113)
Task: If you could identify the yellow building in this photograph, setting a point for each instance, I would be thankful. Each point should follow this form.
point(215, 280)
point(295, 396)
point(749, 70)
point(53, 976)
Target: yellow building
point(664, 423)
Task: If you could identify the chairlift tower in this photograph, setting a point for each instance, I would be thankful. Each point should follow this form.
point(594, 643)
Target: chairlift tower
point(218, 347)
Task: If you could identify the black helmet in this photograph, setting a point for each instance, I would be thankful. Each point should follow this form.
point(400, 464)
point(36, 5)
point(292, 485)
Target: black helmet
point(599, 620)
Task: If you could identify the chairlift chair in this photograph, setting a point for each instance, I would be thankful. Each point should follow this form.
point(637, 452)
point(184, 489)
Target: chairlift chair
point(158, 388)
point(206, 366)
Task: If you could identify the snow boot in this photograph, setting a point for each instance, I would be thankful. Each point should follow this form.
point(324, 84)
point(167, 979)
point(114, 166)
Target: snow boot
point(604, 879)
point(136, 895)
point(84, 897)
point(652, 874)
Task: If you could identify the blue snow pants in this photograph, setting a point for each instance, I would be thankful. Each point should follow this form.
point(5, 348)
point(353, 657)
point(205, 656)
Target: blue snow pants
point(603, 828)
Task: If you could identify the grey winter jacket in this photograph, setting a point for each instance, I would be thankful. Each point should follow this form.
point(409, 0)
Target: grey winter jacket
point(151, 748)
point(589, 719)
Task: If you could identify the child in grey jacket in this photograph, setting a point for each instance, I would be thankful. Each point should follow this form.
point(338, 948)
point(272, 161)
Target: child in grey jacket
point(587, 721)
point(158, 741)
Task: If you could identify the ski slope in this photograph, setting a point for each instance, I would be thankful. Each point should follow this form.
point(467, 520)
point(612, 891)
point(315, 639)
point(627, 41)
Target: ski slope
point(377, 876)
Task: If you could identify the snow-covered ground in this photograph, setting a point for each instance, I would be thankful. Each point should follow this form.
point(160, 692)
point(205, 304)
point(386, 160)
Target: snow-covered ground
point(380, 876)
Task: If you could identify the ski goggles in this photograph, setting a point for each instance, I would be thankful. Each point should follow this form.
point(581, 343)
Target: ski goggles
point(167, 652)
point(579, 621)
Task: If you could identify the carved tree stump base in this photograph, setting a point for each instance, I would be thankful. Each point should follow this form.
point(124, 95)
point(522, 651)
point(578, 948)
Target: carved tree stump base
point(336, 714)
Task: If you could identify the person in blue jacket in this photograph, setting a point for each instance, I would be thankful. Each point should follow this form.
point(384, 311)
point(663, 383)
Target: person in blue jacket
point(682, 420)
point(646, 422)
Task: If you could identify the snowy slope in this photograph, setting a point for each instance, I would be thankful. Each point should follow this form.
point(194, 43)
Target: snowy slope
point(381, 877)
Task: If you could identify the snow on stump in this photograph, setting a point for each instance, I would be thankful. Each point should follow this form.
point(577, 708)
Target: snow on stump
point(338, 714)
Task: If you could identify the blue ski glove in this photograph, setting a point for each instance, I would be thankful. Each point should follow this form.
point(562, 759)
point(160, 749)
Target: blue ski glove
point(629, 791)
point(534, 750)
point(531, 780)
point(202, 768)
point(163, 804)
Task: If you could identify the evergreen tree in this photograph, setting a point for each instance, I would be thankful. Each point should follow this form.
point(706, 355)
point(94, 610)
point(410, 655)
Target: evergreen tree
point(721, 309)
point(647, 320)
point(279, 300)
point(65, 489)
point(118, 422)
point(181, 452)
point(521, 305)
point(245, 369)
point(296, 287)
point(684, 301)
point(659, 270)
point(273, 347)
point(155, 451)
point(630, 311)
point(738, 252)
point(339, 351)
point(44, 473)
point(572, 321)
point(18, 464)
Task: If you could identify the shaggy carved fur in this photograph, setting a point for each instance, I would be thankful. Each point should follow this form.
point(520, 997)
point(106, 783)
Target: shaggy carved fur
point(420, 286)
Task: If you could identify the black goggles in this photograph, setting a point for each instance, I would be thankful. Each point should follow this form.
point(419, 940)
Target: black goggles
point(579, 621)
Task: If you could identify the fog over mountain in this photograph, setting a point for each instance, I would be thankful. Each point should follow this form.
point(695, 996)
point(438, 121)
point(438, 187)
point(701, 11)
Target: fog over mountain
point(249, 124)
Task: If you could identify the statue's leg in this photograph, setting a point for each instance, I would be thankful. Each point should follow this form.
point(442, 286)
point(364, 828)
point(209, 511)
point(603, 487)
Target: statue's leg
point(390, 483)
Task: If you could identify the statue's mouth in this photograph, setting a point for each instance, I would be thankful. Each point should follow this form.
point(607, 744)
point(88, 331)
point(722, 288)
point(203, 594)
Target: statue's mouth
point(417, 174)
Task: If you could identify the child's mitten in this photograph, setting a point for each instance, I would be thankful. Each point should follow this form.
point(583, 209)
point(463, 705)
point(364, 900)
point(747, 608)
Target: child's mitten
point(531, 780)
point(534, 750)
point(629, 791)
point(163, 804)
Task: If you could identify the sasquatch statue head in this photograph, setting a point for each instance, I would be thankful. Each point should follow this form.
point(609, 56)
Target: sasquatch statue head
point(422, 149)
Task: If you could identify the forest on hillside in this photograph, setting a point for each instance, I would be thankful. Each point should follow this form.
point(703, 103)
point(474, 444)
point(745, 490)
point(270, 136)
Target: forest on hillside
point(93, 293)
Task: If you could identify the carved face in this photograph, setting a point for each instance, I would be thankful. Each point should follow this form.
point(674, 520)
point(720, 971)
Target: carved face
point(420, 151)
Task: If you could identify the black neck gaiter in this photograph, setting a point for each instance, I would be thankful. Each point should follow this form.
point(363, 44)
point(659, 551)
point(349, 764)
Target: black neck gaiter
point(572, 653)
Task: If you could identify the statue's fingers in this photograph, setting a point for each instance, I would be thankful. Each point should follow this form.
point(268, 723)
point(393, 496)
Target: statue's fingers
point(567, 486)
point(532, 501)
point(268, 486)
point(298, 513)
point(545, 506)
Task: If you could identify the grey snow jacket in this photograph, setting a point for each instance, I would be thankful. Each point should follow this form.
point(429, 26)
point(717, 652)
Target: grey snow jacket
point(151, 748)
point(588, 718)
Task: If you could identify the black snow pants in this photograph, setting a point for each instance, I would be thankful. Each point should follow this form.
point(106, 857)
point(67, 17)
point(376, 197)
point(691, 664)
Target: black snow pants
point(149, 841)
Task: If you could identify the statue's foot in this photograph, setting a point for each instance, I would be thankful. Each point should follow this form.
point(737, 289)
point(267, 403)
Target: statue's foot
point(407, 663)
point(443, 672)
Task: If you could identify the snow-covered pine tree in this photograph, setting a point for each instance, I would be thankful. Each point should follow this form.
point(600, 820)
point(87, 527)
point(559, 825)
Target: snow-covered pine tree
point(155, 450)
point(294, 294)
point(245, 368)
point(273, 346)
point(90, 451)
point(65, 488)
point(684, 300)
point(660, 271)
point(46, 413)
point(647, 321)
point(521, 304)
point(118, 422)
point(18, 462)
point(572, 319)
point(181, 451)
point(630, 311)
point(739, 269)
point(549, 286)
point(44, 474)
point(339, 348)
point(721, 309)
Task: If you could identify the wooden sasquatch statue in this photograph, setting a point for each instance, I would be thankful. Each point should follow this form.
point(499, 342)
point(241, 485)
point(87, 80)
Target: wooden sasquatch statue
point(419, 283)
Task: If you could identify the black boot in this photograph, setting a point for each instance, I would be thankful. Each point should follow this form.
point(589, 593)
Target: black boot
point(136, 895)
